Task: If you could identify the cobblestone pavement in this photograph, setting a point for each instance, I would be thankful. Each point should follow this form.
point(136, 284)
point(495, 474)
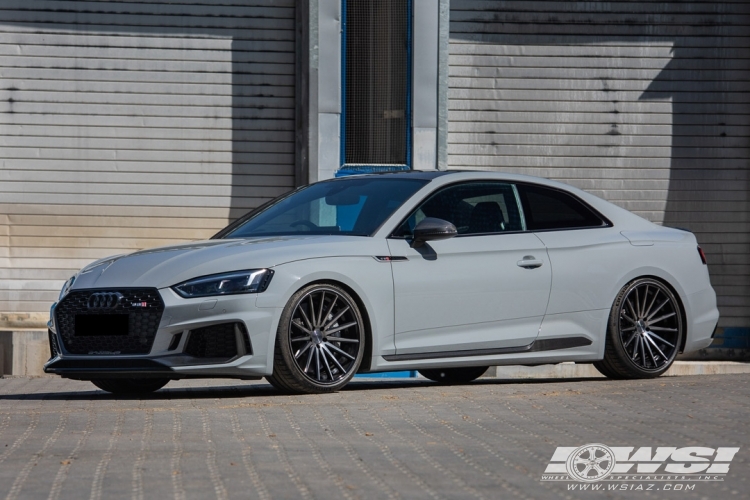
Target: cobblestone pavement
point(397, 439)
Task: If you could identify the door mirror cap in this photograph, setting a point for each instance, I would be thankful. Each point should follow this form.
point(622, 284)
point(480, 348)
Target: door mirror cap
point(431, 229)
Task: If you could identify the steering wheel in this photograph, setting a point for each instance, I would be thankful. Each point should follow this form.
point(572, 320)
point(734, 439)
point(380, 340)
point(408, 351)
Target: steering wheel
point(306, 223)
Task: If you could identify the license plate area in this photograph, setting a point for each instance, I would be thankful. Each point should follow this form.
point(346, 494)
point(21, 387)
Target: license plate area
point(101, 325)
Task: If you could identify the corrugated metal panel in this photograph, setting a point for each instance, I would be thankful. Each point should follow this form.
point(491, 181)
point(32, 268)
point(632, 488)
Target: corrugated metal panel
point(126, 125)
point(643, 103)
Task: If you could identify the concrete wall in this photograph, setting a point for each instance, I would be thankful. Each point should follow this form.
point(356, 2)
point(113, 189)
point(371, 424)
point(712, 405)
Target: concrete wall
point(643, 103)
point(23, 353)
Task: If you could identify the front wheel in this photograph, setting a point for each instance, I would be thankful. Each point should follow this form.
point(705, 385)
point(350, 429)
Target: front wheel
point(130, 385)
point(644, 333)
point(320, 341)
point(454, 375)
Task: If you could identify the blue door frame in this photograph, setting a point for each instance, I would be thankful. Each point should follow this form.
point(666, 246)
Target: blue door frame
point(360, 169)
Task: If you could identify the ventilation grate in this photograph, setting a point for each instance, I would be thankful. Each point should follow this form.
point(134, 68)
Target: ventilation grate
point(54, 349)
point(377, 73)
point(217, 341)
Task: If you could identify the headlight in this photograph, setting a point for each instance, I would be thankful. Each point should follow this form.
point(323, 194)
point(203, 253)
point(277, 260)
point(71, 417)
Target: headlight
point(66, 288)
point(252, 281)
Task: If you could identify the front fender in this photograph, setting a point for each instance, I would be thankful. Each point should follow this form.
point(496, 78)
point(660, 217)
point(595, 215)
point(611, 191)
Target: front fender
point(369, 279)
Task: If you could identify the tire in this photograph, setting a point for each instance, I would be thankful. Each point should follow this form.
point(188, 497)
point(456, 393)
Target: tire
point(644, 332)
point(130, 385)
point(605, 370)
point(278, 385)
point(320, 341)
point(450, 376)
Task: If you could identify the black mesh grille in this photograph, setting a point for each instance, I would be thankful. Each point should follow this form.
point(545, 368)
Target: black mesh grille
point(215, 341)
point(54, 350)
point(376, 113)
point(143, 306)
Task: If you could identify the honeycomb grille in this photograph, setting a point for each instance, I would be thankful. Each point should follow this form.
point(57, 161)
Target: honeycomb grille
point(215, 341)
point(54, 350)
point(143, 306)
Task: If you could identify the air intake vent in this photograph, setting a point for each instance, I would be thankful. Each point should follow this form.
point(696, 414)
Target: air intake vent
point(224, 341)
point(54, 349)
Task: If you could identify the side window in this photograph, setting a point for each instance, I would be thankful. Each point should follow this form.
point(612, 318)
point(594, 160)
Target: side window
point(546, 208)
point(473, 207)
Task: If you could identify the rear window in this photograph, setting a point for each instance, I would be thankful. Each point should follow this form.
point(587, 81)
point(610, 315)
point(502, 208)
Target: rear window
point(546, 208)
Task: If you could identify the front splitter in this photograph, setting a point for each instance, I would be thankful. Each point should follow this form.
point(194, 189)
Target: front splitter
point(89, 369)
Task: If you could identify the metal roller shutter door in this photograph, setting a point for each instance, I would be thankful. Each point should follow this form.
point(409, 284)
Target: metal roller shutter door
point(133, 124)
point(642, 103)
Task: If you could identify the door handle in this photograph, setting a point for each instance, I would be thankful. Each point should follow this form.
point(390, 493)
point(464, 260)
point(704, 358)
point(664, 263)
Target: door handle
point(529, 262)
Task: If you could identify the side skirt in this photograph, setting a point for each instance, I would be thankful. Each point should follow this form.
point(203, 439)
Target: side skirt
point(536, 346)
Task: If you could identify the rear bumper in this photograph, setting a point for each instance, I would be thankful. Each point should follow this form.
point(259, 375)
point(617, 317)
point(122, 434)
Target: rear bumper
point(704, 317)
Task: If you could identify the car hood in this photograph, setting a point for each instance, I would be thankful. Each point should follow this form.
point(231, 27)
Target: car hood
point(166, 266)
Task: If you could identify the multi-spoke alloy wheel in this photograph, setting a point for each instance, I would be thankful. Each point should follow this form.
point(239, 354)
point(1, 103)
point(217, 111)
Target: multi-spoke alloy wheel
point(320, 341)
point(645, 331)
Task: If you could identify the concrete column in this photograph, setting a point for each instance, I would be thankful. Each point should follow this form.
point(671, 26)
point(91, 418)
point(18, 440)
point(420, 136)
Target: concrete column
point(425, 84)
point(326, 91)
point(23, 353)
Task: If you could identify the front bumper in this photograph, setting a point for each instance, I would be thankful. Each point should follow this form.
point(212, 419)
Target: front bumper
point(173, 354)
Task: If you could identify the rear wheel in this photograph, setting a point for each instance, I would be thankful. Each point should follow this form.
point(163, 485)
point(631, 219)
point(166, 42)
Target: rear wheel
point(645, 331)
point(320, 341)
point(130, 385)
point(454, 375)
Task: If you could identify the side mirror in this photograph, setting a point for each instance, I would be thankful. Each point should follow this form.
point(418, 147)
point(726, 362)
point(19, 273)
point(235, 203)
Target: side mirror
point(431, 229)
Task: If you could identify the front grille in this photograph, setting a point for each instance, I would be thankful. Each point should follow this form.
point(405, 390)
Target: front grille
point(143, 307)
point(217, 341)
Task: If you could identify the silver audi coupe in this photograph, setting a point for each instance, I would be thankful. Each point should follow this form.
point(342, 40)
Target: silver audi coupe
point(446, 273)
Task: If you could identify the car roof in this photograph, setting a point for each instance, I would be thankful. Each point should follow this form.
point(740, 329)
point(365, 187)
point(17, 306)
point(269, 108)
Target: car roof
point(411, 174)
point(461, 174)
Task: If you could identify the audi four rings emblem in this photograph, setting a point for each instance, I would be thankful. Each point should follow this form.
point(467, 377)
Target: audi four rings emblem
point(104, 300)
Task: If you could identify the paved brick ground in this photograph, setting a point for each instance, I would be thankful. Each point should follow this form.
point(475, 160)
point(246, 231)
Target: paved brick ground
point(406, 439)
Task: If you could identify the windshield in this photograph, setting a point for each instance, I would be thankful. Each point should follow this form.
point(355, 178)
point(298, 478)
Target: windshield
point(354, 206)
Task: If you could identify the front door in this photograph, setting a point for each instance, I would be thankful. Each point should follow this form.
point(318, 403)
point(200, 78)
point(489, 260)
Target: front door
point(486, 288)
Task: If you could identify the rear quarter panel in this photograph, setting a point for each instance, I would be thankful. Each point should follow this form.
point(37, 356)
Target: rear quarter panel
point(591, 266)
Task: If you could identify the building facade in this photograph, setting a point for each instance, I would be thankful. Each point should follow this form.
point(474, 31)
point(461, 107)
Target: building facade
point(133, 124)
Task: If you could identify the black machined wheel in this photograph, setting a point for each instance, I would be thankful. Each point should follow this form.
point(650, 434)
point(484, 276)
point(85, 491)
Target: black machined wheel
point(454, 375)
point(130, 385)
point(320, 341)
point(645, 331)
